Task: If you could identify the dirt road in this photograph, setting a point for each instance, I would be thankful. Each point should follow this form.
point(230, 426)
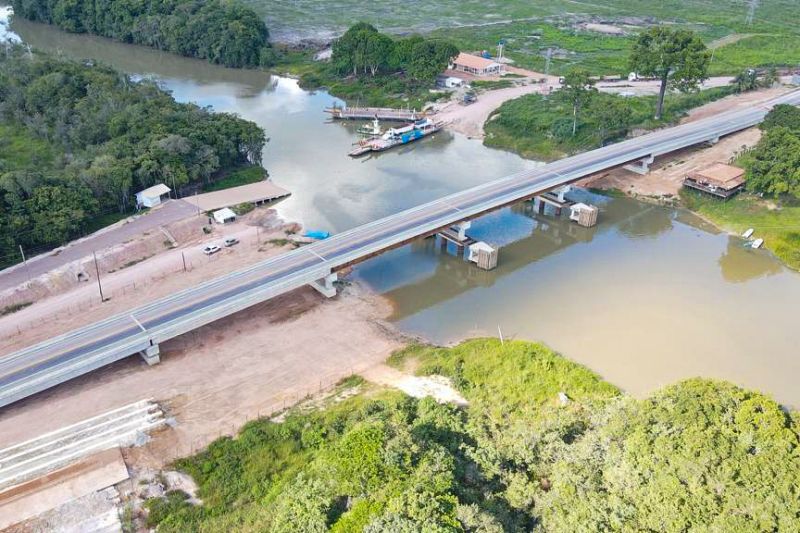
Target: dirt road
point(167, 213)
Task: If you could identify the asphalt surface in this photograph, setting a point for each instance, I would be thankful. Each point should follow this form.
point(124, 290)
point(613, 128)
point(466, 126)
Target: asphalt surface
point(43, 365)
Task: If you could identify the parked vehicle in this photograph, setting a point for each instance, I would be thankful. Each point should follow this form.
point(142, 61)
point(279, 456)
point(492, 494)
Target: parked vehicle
point(231, 241)
point(211, 249)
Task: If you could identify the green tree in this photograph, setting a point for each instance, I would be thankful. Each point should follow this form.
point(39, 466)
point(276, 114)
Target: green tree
point(578, 88)
point(429, 58)
point(782, 115)
point(775, 167)
point(675, 57)
point(745, 81)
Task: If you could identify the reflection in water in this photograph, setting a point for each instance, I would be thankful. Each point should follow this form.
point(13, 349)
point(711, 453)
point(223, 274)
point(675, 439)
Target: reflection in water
point(644, 312)
point(639, 298)
point(741, 263)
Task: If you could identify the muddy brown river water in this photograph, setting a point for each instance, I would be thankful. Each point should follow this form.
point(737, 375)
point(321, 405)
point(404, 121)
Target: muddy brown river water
point(650, 296)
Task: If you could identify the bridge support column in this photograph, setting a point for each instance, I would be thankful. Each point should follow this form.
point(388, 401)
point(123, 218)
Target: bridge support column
point(642, 166)
point(713, 141)
point(462, 228)
point(325, 286)
point(151, 355)
point(561, 193)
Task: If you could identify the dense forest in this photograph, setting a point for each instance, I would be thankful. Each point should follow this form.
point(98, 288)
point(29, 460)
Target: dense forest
point(78, 140)
point(220, 31)
point(521, 456)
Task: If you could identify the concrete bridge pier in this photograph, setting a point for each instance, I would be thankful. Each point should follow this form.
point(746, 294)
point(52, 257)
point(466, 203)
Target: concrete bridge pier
point(462, 228)
point(325, 286)
point(642, 166)
point(152, 355)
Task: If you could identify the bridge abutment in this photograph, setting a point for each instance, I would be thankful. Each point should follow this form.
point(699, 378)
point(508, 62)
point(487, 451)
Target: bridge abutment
point(152, 355)
point(642, 166)
point(325, 286)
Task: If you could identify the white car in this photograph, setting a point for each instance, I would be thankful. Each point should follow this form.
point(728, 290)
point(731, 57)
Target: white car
point(211, 249)
point(230, 241)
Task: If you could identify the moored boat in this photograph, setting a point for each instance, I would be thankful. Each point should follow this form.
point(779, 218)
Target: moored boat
point(398, 136)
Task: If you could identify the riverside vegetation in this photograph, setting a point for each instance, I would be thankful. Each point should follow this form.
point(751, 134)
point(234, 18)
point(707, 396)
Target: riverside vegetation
point(773, 182)
point(79, 139)
point(700, 454)
point(219, 31)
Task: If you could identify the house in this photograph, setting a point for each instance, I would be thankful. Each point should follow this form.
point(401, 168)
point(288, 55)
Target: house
point(719, 179)
point(478, 66)
point(152, 196)
point(225, 215)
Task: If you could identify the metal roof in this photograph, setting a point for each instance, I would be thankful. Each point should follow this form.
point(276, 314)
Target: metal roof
point(155, 191)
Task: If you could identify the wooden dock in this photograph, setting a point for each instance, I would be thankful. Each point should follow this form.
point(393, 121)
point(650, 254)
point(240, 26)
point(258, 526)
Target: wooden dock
point(369, 113)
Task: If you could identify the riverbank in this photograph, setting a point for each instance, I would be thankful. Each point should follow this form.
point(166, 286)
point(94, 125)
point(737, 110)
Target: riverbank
point(531, 428)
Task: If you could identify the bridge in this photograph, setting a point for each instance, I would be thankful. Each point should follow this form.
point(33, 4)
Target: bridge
point(141, 330)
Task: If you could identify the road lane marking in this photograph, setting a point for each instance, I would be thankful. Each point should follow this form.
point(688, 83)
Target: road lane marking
point(315, 253)
point(138, 323)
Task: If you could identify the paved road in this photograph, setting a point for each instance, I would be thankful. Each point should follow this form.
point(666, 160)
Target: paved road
point(169, 212)
point(36, 368)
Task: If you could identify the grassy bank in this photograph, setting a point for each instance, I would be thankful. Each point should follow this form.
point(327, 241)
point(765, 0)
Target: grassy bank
point(516, 459)
point(778, 224)
point(237, 178)
point(539, 127)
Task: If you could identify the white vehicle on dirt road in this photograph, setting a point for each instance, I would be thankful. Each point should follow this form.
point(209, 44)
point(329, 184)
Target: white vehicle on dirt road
point(231, 241)
point(211, 249)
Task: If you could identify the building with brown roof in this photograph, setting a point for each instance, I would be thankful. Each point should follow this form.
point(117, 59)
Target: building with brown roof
point(719, 179)
point(476, 65)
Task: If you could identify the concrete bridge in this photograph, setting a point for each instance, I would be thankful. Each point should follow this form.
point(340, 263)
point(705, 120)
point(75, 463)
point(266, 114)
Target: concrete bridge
point(141, 330)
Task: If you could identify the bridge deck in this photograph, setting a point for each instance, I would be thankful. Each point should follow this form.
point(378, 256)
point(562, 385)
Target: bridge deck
point(64, 357)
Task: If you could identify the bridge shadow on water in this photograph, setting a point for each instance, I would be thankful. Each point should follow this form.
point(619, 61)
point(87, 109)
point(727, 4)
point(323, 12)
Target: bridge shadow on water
point(423, 275)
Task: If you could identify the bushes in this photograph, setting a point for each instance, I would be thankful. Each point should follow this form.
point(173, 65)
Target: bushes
point(219, 31)
point(540, 127)
point(698, 455)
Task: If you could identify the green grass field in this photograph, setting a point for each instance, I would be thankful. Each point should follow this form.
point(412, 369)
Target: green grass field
point(242, 176)
point(531, 27)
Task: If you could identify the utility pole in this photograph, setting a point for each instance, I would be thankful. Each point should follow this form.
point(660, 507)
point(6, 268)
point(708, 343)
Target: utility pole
point(183, 256)
point(25, 261)
point(97, 271)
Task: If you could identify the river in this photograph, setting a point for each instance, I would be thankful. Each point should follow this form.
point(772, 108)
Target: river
point(650, 296)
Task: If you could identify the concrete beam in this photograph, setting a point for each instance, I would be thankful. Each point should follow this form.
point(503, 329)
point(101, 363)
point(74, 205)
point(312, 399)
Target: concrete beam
point(325, 286)
point(151, 355)
point(642, 166)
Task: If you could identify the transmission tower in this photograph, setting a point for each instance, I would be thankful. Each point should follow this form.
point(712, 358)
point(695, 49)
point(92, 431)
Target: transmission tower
point(547, 61)
point(751, 12)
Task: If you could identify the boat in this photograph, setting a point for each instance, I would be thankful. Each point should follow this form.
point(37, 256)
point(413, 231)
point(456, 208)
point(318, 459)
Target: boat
point(747, 234)
point(398, 136)
point(373, 130)
point(757, 243)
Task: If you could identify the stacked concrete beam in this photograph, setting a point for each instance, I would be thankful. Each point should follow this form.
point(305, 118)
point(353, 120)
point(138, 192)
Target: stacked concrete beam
point(46, 453)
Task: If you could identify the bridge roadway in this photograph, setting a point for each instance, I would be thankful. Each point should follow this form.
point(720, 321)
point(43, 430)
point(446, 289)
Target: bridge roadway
point(67, 356)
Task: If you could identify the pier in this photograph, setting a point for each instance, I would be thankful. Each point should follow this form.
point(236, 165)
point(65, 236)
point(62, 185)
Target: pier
point(369, 113)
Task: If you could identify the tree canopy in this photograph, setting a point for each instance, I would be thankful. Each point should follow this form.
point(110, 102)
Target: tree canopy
point(96, 138)
point(773, 165)
point(698, 456)
point(577, 88)
point(675, 57)
point(220, 31)
point(364, 50)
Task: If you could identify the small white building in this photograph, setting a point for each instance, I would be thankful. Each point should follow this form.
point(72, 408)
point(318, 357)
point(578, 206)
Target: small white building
point(225, 215)
point(152, 196)
point(451, 82)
